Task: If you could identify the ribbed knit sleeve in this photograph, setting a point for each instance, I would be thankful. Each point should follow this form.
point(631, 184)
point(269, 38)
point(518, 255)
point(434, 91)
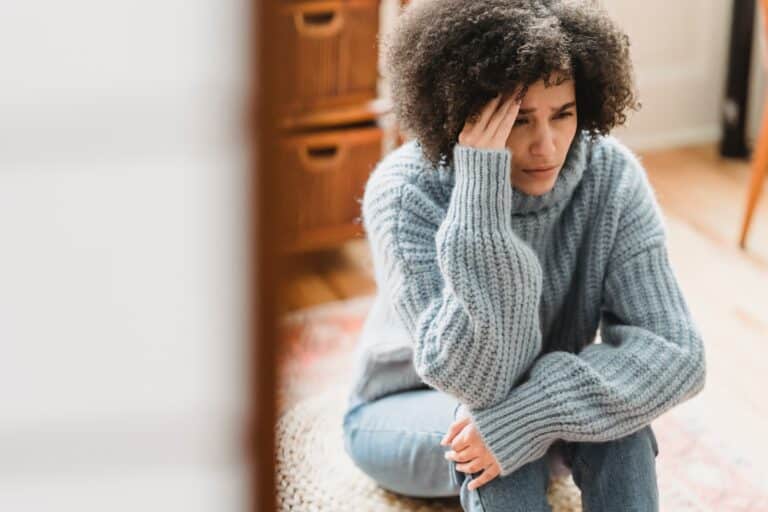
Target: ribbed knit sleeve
point(467, 288)
point(651, 357)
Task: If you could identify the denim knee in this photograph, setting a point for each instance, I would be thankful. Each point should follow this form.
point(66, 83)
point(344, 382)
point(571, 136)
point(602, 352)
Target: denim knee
point(524, 490)
point(618, 474)
point(630, 453)
point(409, 463)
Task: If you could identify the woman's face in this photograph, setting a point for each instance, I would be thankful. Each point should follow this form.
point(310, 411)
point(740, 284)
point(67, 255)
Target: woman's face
point(542, 135)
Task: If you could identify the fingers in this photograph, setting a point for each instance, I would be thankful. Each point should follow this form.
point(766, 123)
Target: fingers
point(492, 127)
point(487, 112)
point(500, 117)
point(486, 476)
point(467, 437)
point(508, 121)
point(454, 429)
point(464, 438)
point(491, 116)
point(476, 133)
point(465, 455)
point(472, 466)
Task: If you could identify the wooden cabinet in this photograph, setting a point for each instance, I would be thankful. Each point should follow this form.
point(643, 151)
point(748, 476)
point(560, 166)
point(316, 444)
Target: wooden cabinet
point(330, 54)
point(330, 134)
point(326, 172)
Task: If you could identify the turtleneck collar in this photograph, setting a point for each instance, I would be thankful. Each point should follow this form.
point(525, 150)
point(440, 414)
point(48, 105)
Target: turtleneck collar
point(569, 177)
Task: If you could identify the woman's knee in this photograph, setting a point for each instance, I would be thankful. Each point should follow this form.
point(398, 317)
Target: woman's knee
point(406, 460)
point(408, 463)
point(618, 474)
point(629, 453)
point(522, 490)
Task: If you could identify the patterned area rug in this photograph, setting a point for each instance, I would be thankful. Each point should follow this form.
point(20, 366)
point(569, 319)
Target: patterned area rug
point(696, 470)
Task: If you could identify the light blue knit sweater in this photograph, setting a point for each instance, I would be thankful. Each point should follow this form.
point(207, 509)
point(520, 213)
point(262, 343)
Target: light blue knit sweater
point(495, 297)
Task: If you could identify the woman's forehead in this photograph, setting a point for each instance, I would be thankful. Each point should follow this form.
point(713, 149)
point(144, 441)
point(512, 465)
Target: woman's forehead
point(539, 96)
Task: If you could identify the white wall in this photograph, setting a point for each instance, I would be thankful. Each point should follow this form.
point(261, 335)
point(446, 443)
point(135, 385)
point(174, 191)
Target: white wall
point(122, 255)
point(680, 52)
point(757, 84)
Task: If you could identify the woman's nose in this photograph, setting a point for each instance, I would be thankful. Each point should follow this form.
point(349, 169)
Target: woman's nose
point(544, 143)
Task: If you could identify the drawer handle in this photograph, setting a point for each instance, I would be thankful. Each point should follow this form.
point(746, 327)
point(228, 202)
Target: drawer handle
point(321, 158)
point(319, 24)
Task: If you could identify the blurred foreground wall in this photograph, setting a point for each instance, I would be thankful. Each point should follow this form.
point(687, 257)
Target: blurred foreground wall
point(122, 292)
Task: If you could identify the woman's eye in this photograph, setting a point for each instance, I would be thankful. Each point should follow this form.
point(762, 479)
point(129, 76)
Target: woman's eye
point(561, 115)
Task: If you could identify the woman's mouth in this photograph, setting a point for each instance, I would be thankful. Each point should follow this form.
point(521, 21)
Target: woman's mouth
point(540, 171)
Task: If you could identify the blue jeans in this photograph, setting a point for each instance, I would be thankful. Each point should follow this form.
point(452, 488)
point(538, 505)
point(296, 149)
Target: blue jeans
point(396, 441)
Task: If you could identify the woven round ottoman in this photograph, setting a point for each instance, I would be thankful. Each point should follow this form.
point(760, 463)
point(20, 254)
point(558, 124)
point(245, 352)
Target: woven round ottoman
point(314, 472)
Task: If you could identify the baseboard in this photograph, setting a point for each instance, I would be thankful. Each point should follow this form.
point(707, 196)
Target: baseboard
point(706, 134)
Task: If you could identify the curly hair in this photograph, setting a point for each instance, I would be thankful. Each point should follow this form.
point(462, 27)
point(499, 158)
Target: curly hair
point(445, 59)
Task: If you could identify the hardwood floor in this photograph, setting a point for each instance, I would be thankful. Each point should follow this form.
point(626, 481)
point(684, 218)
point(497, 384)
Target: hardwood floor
point(324, 276)
point(709, 193)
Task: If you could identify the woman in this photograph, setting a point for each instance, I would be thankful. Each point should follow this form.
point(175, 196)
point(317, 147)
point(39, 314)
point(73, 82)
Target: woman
point(502, 237)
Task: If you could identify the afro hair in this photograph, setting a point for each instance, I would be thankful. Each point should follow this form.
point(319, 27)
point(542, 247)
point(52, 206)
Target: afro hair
point(445, 59)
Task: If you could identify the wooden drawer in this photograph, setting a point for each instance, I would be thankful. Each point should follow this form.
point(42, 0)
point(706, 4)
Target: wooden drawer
point(329, 55)
point(325, 175)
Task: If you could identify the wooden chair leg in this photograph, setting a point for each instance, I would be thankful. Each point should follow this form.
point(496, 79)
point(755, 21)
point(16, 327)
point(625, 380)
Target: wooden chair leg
point(759, 166)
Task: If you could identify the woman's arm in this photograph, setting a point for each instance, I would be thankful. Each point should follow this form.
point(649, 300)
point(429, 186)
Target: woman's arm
point(467, 287)
point(651, 358)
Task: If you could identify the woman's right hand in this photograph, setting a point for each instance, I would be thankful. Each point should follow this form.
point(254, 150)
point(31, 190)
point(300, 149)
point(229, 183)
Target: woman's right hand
point(492, 127)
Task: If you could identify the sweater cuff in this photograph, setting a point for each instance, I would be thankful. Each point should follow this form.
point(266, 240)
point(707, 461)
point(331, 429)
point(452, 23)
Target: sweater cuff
point(483, 186)
point(521, 428)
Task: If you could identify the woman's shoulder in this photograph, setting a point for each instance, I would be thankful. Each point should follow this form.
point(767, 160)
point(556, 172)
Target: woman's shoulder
point(628, 201)
point(404, 177)
point(617, 170)
point(407, 164)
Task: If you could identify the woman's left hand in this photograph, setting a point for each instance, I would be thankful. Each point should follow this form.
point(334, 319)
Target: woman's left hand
point(469, 451)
